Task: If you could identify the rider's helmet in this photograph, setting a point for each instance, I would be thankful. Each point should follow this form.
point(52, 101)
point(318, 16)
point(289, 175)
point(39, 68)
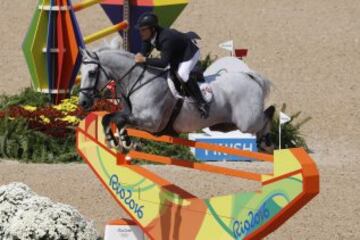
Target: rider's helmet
point(147, 19)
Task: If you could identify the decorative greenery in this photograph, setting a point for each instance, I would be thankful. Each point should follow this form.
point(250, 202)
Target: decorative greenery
point(290, 132)
point(40, 132)
point(18, 141)
point(27, 97)
point(44, 133)
point(207, 61)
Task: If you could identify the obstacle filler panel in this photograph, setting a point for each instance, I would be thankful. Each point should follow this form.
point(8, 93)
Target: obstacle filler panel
point(167, 10)
point(165, 211)
point(51, 45)
point(51, 48)
point(39, 42)
point(27, 44)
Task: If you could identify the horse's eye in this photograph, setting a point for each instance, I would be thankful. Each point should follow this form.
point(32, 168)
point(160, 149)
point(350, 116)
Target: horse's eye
point(92, 74)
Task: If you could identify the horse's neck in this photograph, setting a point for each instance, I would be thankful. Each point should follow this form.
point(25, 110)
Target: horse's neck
point(120, 64)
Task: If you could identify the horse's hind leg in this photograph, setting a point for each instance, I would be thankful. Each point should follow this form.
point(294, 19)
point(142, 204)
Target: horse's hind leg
point(263, 136)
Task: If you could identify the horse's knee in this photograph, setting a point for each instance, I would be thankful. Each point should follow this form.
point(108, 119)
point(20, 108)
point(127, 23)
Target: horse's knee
point(120, 120)
point(106, 120)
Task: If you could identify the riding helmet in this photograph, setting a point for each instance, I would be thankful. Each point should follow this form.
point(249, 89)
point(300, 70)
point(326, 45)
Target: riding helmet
point(147, 19)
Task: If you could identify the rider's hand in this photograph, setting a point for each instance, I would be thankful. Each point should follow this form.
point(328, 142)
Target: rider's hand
point(139, 58)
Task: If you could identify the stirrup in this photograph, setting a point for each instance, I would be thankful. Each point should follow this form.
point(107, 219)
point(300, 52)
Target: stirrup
point(204, 110)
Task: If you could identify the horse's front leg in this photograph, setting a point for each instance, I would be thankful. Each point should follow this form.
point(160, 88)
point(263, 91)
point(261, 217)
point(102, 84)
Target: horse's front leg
point(123, 142)
point(110, 138)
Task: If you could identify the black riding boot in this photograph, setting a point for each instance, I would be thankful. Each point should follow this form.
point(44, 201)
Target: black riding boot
point(194, 91)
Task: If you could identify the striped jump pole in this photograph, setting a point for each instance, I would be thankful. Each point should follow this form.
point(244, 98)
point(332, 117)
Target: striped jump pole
point(105, 32)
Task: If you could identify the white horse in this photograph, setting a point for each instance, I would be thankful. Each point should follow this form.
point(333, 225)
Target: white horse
point(148, 104)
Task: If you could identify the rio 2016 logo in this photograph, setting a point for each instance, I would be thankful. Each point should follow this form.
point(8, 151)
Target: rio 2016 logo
point(243, 227)
point(126, 196)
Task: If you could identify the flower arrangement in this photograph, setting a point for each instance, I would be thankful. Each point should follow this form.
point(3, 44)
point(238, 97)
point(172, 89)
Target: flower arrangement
point(56, 121)
point(33, 130)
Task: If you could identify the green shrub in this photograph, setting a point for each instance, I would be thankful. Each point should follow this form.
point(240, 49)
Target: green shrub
point(207, 61)
point(291, 136)
point(27, 97)
point(17, 141)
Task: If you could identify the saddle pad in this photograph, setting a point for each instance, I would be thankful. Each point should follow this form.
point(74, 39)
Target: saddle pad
point(205, 88)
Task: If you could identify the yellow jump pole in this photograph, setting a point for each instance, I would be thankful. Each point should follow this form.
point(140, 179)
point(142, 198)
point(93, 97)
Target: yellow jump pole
point(85, 4)
point(107, 31)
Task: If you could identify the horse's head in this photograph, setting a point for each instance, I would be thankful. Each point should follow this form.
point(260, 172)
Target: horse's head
point(94, 78)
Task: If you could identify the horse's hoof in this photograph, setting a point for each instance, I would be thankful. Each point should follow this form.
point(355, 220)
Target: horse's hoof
point(120, 149)
point(137, 147)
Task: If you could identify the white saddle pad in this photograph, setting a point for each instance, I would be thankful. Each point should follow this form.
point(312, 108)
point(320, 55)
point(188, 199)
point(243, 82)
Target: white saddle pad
point(204, 87)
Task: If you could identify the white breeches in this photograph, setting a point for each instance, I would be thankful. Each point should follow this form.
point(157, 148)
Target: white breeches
point(186, 67)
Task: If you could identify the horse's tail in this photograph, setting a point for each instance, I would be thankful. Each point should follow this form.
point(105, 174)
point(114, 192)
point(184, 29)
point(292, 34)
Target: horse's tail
point(263, 82)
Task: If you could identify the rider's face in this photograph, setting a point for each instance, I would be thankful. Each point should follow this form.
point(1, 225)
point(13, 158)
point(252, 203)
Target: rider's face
point(145, 33)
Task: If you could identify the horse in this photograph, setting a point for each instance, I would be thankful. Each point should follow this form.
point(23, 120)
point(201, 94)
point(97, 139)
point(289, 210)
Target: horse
point(148, 104)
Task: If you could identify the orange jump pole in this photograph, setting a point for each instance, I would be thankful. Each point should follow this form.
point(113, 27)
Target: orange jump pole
point(107, 31)
point(202, 145)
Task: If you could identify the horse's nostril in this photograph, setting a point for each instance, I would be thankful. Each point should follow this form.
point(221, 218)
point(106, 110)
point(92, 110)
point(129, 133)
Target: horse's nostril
point(83, 104)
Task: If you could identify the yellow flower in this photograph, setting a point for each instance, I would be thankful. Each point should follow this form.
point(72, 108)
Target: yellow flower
point(68, 105)
point(29, 108)
point(70, 119)
point(45, 119)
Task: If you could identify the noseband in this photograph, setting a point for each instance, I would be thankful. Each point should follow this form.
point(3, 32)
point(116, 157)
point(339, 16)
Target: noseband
point(93, 89)
point(99, 68)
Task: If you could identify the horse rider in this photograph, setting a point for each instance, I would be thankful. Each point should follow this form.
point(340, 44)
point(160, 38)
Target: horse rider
point(177, 50)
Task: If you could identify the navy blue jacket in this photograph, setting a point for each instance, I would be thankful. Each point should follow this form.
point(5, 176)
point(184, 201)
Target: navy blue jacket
point(175, 47)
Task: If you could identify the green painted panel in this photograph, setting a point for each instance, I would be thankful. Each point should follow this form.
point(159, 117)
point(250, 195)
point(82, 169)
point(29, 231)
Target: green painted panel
point(28, 41)
point(168, 14)
point(40, 42)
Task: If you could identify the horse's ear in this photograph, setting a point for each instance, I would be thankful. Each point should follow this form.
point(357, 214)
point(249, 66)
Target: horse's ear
point(86, 54)
point(116, 43)
point(83, 53)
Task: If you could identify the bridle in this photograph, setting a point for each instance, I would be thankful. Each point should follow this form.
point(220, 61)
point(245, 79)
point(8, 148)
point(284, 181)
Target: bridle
point(99, 68)
point(126, 96)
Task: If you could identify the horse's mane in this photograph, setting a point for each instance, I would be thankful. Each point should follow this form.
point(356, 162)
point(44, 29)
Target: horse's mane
point(118, 51)
point(115, 46)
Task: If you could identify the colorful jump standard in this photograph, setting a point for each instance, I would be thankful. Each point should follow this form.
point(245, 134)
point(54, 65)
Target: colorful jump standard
point(51, 46)
point(165, 211)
